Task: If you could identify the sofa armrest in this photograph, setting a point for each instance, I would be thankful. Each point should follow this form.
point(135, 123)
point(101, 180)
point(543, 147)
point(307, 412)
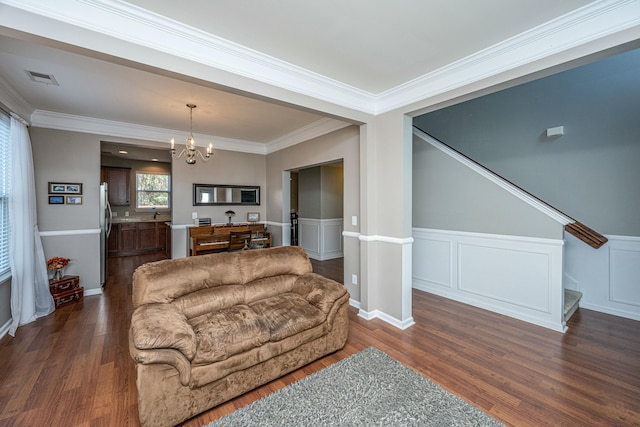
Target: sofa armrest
point(162, 326)
point(319, 291)
point(167, 356)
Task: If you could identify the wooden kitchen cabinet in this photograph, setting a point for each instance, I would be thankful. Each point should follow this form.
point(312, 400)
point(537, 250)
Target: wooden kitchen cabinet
point(134, 238)
point(112, 241)
point(128, 237)
point(147, 235)
point(119, 180)
point(167, 246)
point(161, 235)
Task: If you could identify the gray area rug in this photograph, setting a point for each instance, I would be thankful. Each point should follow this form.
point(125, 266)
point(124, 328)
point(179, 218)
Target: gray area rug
point(366, 389)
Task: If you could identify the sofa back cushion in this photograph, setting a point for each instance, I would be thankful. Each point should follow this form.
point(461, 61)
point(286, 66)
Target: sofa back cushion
point(165, 281)
point(210, 299)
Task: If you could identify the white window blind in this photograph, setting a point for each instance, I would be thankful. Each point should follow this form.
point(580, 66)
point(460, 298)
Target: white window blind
point(5, 192)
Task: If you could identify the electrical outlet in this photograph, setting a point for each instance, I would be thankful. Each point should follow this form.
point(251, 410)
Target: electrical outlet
point(194, 215)
point(354, 220)
point(354, 279)
point(126, 213)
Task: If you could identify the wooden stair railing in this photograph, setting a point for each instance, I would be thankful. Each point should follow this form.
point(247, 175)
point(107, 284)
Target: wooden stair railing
point(576, 228)
point(586, 234)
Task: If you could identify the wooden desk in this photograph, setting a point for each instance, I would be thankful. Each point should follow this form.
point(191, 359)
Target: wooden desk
point(219, 238)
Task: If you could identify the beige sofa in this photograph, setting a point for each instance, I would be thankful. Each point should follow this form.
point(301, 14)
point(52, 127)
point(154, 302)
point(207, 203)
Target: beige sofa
point(209, 328)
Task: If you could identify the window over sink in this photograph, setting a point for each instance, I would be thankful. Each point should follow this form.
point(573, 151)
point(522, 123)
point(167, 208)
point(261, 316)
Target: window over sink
point(153, 190)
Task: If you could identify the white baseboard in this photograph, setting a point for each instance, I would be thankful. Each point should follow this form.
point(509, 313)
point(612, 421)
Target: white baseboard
point(89, 292)
point(610, 310)
point(520, 277)
point(377, 314)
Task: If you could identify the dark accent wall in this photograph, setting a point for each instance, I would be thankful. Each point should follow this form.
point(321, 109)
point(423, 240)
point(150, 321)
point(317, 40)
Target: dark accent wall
point(591, 172)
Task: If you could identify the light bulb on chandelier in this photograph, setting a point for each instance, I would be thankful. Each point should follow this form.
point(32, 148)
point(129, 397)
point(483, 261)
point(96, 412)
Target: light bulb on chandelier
point(190, 147)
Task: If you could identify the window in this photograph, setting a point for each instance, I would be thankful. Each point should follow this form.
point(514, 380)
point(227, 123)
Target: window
point(5, 192)
point(152, 190)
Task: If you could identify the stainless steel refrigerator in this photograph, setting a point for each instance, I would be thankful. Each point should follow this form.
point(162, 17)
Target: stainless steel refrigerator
point(106, 217)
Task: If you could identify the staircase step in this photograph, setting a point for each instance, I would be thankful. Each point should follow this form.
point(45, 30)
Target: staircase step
point(571, 302)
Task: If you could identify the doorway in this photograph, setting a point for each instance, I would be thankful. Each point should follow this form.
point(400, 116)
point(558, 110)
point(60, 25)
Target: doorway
point(315, 204)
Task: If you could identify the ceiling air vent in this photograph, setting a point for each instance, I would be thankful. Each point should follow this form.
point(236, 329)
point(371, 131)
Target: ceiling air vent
point(47, 79)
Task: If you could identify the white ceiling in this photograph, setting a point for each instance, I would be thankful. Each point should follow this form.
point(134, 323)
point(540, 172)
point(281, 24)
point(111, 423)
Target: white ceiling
point(368, 47)
point(373, 45)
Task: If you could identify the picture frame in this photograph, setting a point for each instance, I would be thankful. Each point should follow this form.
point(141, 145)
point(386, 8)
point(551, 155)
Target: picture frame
point(253, 216)
point(74, 200)
point(65, 188)
point(56, 200)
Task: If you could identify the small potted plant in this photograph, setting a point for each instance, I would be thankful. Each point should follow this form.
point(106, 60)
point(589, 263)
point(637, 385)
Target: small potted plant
point(57, 264)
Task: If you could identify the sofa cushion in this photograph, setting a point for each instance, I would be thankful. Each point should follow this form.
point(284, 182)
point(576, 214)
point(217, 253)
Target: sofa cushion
point(223, 333)
point(268, 287)
point(209, 300)
point(287, 314)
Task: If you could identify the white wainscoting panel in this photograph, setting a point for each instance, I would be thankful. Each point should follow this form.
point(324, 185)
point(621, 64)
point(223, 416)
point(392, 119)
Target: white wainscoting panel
point(435, 263)
point(321, 238)
point(625, 274)
point(309, 236)
point(520, 277)
point(608, 277)
point(505, 274)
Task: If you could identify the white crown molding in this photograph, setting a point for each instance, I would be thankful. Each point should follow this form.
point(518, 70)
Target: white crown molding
point(546, 209)
point(591, 22)
point(12, 100)
point(73, 123)
point(123, 21)
point(313, 130)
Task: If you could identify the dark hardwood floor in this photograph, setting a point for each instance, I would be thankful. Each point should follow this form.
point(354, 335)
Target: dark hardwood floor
point(72, 368)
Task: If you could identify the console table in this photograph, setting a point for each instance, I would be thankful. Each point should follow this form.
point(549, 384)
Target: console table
point(223, 238)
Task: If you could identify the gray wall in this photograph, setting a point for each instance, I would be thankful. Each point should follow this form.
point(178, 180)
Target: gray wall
point(226, 167)
point(447, 195)
point(310, 193)
point(70, 231)
point(591, 173)
point(320, 192)
point(5, 302)
point(342, 144)
point(332, 183)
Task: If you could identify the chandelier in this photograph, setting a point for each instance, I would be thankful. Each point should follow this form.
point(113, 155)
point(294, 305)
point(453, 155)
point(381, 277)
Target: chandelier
point(190, 146)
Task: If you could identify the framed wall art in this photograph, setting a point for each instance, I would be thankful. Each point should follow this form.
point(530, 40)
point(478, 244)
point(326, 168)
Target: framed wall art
point(56, 200)
point(74, 200)
point(65, 188)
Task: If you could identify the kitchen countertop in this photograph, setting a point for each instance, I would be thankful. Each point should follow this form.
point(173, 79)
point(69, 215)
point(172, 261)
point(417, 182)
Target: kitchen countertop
point(128, 219)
